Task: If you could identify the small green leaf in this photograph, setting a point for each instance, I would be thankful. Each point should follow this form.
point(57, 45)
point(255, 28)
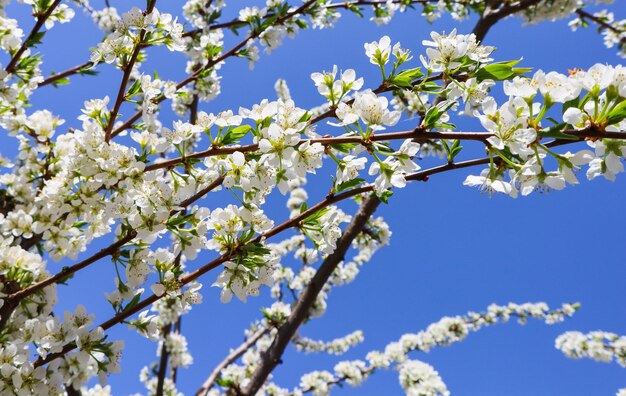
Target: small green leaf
point(617, 114)
point(500, 71)
point(132, 302)
point(134, 89)
point(349, 184)
point(35, 39)
point(344, 147)
point(405, 78)
point(555, 133)
point(384, 197)
point(233, 135)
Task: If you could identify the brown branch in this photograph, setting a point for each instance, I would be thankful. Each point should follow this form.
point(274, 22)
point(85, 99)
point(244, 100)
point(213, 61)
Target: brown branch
point(126, 76)
point(417, 134)
point(272, 356)
point(603, 25)
point(329, 200)
point(177, 329)
point(232, 357)
point(491, 16)
point(162, 362)
point(57, 76)
point(40, 22)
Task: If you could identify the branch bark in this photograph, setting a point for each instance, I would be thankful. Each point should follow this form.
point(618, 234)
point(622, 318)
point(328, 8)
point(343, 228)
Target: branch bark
point(491, 16)
point(272, 356)
point(40, 22)
point(232, 357)
point(127, 72)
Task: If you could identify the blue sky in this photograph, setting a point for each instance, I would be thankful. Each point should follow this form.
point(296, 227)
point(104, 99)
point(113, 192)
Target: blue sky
point(452, 250)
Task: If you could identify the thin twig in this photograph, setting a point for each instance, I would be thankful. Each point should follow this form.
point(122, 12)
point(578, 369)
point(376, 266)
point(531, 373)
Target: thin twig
point(228, 360)
point(603, 25)
point(40, 22)
point(163, 362)
point(270, 358)
point(126, 76)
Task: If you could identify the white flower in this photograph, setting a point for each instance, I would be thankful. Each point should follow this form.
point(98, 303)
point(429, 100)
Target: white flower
point(448, 50)
point(378, 52)
point(373, 110)
point(390, 175)
point(486, 182)
point(348, 168)
point(420, 379)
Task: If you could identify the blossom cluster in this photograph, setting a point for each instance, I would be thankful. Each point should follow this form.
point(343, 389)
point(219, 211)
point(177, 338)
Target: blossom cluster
point(597, 345)
point(143, 181)
point(416, 377)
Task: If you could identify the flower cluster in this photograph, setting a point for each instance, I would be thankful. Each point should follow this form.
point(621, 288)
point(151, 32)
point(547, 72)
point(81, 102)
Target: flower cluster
point(69, 187)
point(137, 28)
point(517, 130)
point(597, 345)
point(418, 378)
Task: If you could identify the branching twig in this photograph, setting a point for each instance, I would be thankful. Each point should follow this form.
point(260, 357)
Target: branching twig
point(272, 356)
point(40, 22)
point(603, 25)
point(232, 357)
point(126, 76)
point(163, 362)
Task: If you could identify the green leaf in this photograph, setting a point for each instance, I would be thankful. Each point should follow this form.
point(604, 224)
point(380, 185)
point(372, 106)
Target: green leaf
point(316, 216)
point(405, 78)
point(87, 71)
point(349, 184)
point(132, 302)
point(257, 249)
point(429, 87)
point(617, 114)
point(133, 90)
point(35, 39)
point(61, 81)
point(233, 135)
point(63, 281)
point(384, 197)
point(224, 383)
point(178, 220)
point(432, 116)
point(454, 150)
point(344, 147)
point(555, 133)
point(500, 71)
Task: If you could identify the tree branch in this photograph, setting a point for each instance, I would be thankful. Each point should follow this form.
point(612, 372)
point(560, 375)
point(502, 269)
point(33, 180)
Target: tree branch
point(417, 134)
point(603, 25)
point(163, 362)
point(329, 200)
point(232, 357)
point(40, 22)
point(126, 76)
point(491, 16)
point(272, 356)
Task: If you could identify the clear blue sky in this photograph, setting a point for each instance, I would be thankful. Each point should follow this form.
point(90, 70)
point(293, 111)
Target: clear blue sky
point(452, 250)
